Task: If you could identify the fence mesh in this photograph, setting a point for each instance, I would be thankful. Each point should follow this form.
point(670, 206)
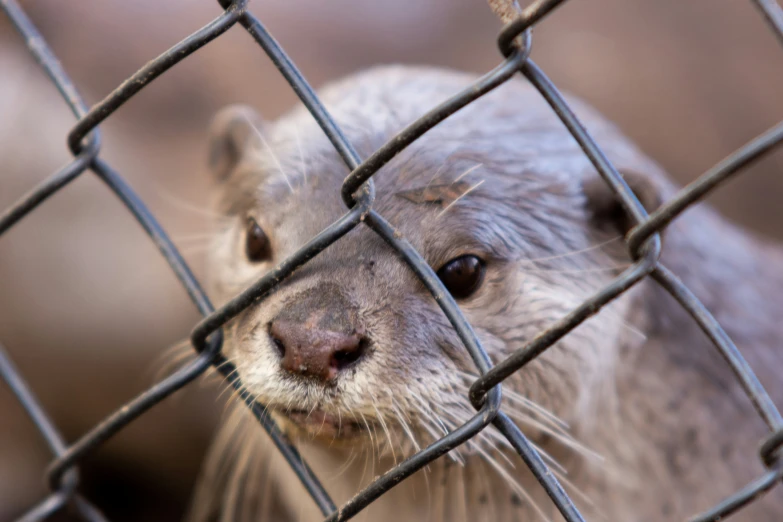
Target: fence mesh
point(514, 42)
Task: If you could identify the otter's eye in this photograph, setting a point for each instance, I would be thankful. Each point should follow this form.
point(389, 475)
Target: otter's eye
point(462, 276)
point(257, 247)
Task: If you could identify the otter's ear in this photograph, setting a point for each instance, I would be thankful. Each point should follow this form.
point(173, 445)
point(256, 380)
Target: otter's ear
point(233, 131)
point(604, 206)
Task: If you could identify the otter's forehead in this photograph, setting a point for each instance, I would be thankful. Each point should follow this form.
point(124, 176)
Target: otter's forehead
point(511, 123)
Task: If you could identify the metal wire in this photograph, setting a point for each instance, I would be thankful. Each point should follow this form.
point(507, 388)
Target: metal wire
point(514, 43)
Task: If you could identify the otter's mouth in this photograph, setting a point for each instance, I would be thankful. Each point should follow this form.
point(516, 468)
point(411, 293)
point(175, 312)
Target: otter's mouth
point(320, 424)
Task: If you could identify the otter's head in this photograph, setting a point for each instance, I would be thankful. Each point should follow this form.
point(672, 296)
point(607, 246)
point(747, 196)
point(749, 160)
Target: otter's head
point(498, 199)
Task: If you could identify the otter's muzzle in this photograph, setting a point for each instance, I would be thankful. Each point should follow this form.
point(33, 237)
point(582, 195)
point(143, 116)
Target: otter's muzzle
point(317, 336)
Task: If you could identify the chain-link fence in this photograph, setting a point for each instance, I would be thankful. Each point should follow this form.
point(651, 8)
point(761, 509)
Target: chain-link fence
point(358, 191)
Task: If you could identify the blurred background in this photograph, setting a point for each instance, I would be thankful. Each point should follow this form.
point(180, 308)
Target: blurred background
point(87, 306)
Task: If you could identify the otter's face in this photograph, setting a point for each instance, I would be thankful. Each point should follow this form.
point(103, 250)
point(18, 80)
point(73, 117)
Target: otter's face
point(498, 200)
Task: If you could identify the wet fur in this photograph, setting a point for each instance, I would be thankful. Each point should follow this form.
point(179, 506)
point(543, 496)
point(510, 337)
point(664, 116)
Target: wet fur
point(638, 384)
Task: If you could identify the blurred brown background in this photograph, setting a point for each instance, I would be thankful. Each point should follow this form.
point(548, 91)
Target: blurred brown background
point(87, 306)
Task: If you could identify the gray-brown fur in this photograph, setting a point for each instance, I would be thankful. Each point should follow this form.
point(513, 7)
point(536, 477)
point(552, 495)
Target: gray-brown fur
point(638, 384)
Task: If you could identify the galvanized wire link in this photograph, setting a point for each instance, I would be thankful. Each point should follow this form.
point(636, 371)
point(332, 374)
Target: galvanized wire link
point(357, 192)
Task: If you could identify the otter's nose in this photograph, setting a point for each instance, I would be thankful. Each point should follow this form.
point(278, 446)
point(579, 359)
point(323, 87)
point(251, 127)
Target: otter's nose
point(315, 352)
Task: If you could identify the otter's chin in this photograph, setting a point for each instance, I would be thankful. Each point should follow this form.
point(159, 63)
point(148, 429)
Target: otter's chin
point(318, 425)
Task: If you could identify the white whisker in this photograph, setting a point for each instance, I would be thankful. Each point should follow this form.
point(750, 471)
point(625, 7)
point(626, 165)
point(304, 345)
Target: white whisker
point(383, 426)
point(443, 165)
point(196, 249)
point(426, 405)
point(405, 426)
point(193, 237)
point(616, 317)
point(566, 440)
point(271, 152)
point(437, 173)
point(512, 482)
point(425, 421)
point(301, 156)
point(471, 189)
point(169, 197)
point(578, 270)
point(573, 253)
point(373, 442)
point(468, 171)
point(523, 401)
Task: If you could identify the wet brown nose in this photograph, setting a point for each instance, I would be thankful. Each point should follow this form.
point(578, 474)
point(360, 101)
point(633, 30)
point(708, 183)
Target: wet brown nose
point(315, 352)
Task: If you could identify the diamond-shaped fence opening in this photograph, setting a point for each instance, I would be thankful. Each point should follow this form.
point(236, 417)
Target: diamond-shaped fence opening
point(358, 193)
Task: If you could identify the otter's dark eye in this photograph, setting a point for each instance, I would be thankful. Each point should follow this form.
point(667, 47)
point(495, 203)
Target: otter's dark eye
point(257, 247)
point(462, 276)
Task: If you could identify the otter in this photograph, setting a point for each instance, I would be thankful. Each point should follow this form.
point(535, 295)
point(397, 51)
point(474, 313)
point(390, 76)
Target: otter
point(634, 411)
